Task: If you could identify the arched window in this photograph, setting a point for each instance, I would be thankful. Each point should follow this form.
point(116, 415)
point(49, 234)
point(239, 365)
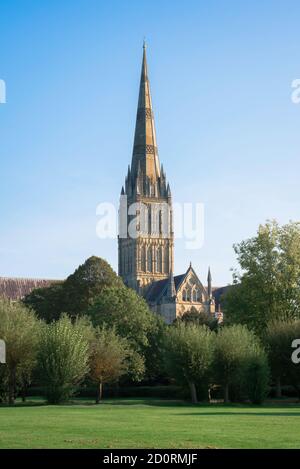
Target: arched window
point(143, 259)
point(149, 220)
point(149, 259)
point(166, 260)
point(195, 295)
point(159, 259)
point(198, 296)
point(184, 295)
point(188, 295)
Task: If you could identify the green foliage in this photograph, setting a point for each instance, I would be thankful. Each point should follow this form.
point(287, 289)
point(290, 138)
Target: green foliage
point(234, 345)
point(86, 283)
point(123, 309)
point(19, 329)
point(76, 293)
point(268, 286)
point(47, 302)
point(108, 357)
point(189, 351)
point(279, 338)
point(256, 375)
point(62, 358)
point(200, 319)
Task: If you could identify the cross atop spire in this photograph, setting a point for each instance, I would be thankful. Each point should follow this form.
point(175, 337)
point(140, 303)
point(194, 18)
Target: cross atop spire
point(145, 147)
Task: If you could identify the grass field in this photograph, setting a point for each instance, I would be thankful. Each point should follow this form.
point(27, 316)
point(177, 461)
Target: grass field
point(146, 423)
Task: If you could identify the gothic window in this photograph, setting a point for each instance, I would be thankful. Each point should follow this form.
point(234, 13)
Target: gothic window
point(159, 259)
point(149, 259)
point(188, 295)
point(195, 295)
point(184, 295)
point(166, 260)
point(149, 220)
point(143, 259)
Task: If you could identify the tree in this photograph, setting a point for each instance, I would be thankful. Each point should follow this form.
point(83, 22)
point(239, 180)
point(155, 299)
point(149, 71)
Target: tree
point(108, 357)
point(256, 375)
point(19, 329)
point(47, 302)
point(279, 338)
point(87, 283)
point(189, 351)
point(75, 294)
point(268, 286)
point(233, 345)
point(199, 318)
point(125, 310)
point(62, 358)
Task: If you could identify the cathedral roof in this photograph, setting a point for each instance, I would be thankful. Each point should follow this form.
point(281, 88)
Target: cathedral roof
point(157, 288)
point(17, 288)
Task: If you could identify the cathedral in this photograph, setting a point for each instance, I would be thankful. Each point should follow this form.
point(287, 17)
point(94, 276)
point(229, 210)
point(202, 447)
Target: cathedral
point(146, 237)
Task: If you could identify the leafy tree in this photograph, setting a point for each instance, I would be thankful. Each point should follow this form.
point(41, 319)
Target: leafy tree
point(189, 351)
point(76, 293)
point(279, 338)
point(86, 283)
point(62, 358)
point(268, 286)
point(125, 310)
point(199, 318)
point(108, 357)
point(47, 302)
point(256, 375)
point(19, 329)
point(233, 345)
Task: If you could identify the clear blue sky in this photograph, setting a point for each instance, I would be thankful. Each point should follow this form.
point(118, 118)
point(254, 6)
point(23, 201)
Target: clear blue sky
point(228, 132)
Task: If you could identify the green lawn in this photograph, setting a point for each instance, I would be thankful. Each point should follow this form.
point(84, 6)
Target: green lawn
point(146, 423)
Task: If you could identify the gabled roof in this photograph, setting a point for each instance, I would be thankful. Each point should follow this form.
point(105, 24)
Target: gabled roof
point(17, 288)
point(158, 288)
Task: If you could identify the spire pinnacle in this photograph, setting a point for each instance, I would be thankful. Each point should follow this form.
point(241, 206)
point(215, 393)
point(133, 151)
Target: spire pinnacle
point(209, 284)
point(145, 147)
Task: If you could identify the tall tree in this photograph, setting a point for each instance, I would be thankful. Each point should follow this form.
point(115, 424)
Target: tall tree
point(108, 357)
point(268, 285)
point(189, 352)
point(125, 310)
point(62, 358)
point(234, 344)
point(19, 329)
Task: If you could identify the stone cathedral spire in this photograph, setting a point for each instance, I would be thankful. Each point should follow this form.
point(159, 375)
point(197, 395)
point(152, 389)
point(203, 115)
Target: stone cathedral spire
point(145, 153)
point(148, 256)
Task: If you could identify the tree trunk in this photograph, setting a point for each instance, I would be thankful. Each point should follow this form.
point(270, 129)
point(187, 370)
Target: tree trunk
point(12, 386)
point(278, 387)
point(193, 392)
point(226, 393)
point(100, 392)
point(24, 391)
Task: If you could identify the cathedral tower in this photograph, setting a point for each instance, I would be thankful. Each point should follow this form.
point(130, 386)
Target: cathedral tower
point(146, 239)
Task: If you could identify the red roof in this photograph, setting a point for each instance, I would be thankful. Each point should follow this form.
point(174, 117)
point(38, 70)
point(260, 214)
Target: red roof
point(17, 288)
